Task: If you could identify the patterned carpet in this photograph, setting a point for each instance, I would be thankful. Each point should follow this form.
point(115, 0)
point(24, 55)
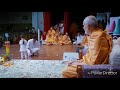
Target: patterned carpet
point(32, 69)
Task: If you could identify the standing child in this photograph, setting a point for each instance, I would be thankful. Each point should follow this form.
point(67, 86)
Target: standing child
point(23, 49)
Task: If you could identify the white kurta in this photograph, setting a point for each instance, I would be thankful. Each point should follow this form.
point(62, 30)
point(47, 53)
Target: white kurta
point(23, 48)
point(33, 46)
point(79, 39)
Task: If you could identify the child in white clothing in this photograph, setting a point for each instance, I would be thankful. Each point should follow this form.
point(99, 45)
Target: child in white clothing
point(23, 49)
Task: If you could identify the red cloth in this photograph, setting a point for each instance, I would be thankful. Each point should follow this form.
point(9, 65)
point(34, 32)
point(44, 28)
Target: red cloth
point(47, 21)
point(43, 37)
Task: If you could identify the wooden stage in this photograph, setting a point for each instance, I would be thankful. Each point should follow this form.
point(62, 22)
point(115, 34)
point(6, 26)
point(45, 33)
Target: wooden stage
point(52, 52)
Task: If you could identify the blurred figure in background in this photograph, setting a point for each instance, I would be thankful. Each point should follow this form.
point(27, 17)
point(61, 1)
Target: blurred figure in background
point(23, 49)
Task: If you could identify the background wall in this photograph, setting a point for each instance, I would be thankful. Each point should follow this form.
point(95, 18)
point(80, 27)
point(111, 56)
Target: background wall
point(101, 16)
point(114, 19)
point(15, 17)
point(15, 21)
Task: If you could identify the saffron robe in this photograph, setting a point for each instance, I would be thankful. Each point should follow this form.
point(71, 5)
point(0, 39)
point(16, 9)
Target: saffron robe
point(100, 46)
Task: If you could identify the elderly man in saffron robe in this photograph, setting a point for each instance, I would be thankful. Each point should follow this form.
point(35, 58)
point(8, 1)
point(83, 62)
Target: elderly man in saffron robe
point(99, 44)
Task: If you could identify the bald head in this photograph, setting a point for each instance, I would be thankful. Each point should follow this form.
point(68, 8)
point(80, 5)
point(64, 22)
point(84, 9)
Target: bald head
point(91, 21)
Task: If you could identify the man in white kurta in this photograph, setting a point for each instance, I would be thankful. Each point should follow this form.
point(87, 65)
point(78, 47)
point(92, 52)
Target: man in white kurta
point(32, 47)
point(79, 39)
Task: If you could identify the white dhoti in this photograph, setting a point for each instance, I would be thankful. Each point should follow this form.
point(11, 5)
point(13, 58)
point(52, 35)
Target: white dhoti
point(33, 46)
point(35, 51)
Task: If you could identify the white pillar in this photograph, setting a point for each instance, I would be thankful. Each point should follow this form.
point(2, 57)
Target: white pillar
point(39, 37)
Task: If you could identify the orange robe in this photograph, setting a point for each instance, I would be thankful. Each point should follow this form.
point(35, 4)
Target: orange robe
point(51, 32)
point(60, 39)
point(55, 39)
point(50, 39)
point(65, 40)
point(100, 46)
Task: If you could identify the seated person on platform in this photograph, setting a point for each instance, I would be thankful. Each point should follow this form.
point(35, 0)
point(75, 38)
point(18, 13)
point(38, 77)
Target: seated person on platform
point(57, 31)
point(55, 39)
point(50, 40)
point(59, 38)
point(79, 39)
point(43, 38)
point(32, 47)
point(99, 44)
point(115, 54)
point(65, 40)
point(50, 36)
point(51, 31)
point(83, 43)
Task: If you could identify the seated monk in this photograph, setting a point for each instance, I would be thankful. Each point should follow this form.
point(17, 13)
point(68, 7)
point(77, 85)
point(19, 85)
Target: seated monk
point(50, 36)
point(99, 48)
point(65, 40)
point(50, 40)
point(59, 38)
point(57, 31)
point(55, 39)
point(83, 43)
point(51, 31)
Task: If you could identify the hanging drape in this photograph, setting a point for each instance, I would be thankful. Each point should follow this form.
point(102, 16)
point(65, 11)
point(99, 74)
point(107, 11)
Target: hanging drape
point(47, 21)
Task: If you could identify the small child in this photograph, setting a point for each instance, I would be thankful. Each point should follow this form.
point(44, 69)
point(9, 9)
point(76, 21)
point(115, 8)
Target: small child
point(23, 49)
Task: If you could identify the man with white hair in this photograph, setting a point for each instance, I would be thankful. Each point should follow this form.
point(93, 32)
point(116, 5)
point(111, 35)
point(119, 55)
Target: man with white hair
point(99, 47)
point(32, 47)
